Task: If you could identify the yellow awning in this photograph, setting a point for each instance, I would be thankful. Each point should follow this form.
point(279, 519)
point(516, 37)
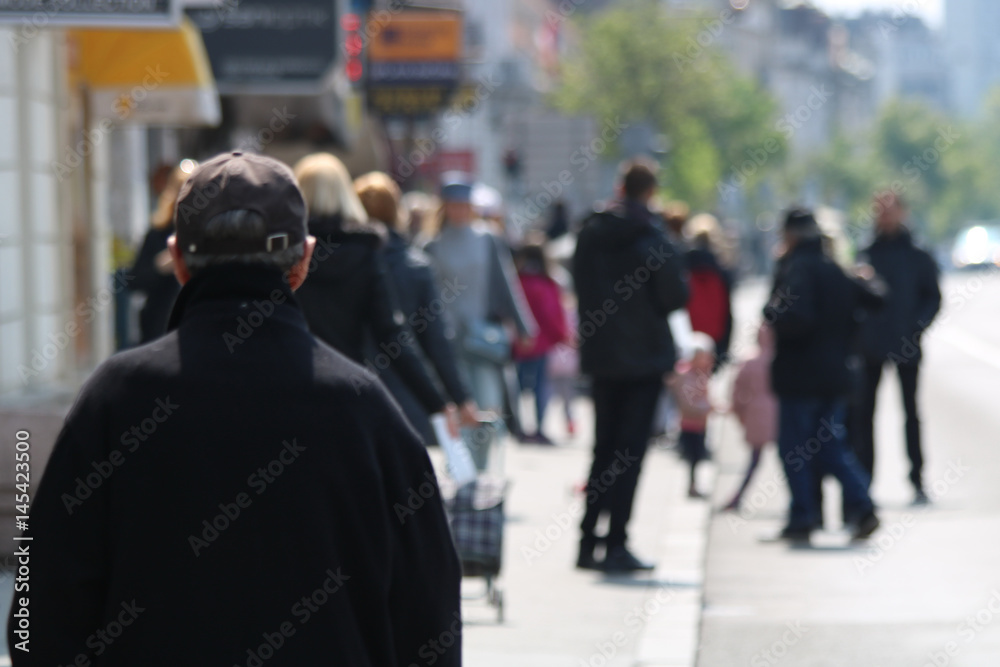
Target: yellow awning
point(153, 77)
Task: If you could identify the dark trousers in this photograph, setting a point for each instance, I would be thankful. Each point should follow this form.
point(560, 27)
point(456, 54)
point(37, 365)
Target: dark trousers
point(623, 414)
point(812, 443)
point(864, 443)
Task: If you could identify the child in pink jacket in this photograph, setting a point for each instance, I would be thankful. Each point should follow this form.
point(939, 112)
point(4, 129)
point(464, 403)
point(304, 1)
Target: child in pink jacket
point(690, 388)
point(755, 405)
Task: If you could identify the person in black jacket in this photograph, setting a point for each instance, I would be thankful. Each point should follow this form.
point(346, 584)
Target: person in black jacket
point(813, 310)
point(628, 280)
point(349, 301)
point(421, 300)
point(893, 335)
point(228, 494)
point(153, 271)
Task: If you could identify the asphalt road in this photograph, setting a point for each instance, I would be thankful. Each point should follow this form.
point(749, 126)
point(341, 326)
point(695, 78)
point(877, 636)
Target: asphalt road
point(925, 590)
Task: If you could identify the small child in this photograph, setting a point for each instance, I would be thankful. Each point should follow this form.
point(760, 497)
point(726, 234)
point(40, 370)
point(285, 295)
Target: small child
point(755, 405)
point(690, 387)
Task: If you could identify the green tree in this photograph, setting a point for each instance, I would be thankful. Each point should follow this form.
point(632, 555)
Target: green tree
point(639, 62)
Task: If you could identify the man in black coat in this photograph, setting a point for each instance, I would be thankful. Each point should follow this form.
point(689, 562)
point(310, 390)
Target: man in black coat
point(628, 280)
point(893, 334)
point(229, 494)
point(813, 309)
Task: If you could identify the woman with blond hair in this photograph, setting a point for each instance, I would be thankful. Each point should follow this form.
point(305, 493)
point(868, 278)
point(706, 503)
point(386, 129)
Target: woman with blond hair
point(420, 296)
point(348, 300)
point(153, 271)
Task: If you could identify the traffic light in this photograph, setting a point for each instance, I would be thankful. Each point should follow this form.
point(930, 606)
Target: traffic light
point(350, 25)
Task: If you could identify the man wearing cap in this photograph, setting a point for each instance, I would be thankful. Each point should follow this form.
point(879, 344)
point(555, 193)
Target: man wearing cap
point(225, 495)
point(812, 309)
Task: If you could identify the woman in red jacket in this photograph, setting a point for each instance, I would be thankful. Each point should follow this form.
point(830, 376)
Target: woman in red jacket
point(544, 298)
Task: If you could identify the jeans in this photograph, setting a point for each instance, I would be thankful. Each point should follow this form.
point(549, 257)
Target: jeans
point(532, 374)
point(812, 443)
point(485, 380)
point(623, 413)
point(865, 441)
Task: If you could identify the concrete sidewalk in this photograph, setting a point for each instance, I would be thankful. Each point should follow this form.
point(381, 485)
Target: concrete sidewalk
point(923, 591)
point(559, 616)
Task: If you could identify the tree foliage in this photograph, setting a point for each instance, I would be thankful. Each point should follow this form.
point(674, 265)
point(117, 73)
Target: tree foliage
point(640, 62)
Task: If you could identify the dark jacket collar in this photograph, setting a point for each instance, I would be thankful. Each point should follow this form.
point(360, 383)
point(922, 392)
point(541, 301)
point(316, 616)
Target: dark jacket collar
point(236, 283)
point(903, 237)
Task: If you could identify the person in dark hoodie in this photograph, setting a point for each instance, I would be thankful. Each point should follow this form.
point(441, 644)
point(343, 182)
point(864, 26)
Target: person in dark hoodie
point(349, 301)
point(421, 299)
point(628, 280)
point(893, 335)
point(813, 310)
point(229, 494)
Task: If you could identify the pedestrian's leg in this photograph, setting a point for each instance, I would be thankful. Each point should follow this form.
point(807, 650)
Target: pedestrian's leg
point(754, 462)
point(607, 408)
point(799, 421)
point(639, 398)
point(864, 442)
point(836, 458)
point(908, 375)
point(541, 392)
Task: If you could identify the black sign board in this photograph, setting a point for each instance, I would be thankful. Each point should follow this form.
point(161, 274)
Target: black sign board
point(266, 44)
point(90, 13)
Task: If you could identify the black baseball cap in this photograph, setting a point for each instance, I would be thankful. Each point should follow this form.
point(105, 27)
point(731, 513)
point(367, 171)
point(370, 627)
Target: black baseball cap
point(240, 181)
point(800, 220)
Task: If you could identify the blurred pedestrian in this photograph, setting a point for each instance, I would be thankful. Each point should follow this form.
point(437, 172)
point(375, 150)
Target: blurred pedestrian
point(421, 298)
point(544, 298)
point(690, 388)
point(558, 220)
point(711, 285)
point(487, 295)
point(675, 216)
point(755, 406)
point(628, 280)
point(564, 366)
point(349, 301)
point(153, 271)
point(812, 309)
point(260, 511)
point(893, 334)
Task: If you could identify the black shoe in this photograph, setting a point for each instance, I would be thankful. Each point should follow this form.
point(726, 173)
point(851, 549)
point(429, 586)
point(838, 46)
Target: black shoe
point(621, 559)
point(865, 527)
point(920, 498)
point(795, 534)
point(586, 560)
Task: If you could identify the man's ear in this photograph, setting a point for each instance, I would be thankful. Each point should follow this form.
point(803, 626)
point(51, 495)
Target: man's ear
point(297, 274)
point(180, 268)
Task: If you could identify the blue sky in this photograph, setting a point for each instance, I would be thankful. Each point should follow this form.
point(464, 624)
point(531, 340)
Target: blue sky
point(931, 11)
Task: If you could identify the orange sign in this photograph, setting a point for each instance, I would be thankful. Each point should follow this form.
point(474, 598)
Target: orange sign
point(414, 36)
